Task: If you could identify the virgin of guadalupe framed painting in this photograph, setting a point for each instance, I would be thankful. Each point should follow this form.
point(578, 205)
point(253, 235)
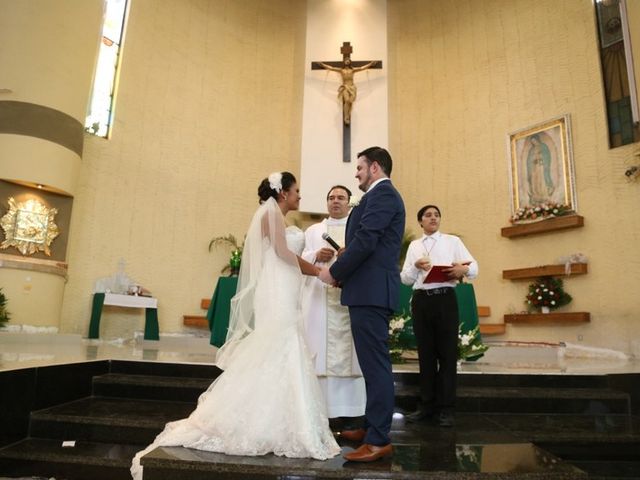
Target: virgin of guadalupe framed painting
point(541, 166)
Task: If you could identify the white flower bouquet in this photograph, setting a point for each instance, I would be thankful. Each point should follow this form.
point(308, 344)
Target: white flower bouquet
point(470, 344)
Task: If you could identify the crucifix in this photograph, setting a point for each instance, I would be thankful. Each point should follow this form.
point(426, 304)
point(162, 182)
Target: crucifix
point(347, 91)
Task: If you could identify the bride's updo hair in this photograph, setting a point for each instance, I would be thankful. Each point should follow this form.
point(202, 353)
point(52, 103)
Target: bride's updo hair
point(265, 191)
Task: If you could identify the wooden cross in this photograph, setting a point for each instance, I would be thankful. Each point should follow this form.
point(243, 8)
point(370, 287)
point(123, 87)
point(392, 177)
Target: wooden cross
point(347, 91)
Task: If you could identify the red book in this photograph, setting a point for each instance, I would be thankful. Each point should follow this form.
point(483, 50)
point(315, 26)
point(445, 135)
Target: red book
point(438, 275)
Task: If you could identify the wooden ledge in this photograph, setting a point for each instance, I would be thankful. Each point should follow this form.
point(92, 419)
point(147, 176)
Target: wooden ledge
point(551, 317)
point(544, 271)
point(204, 303)
point(548, 225)
point(34, 264)
point(197, 321)
point(492, 328)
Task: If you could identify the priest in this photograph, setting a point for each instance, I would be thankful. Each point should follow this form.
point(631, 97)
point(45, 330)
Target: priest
point(327, 323)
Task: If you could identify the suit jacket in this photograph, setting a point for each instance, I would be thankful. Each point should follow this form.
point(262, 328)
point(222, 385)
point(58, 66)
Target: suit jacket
point(368, 268)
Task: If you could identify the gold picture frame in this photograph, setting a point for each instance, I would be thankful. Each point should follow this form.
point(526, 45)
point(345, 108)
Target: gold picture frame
point(541, 165)
point(29, 226)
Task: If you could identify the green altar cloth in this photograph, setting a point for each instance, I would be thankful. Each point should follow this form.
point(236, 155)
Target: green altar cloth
point(467, 307)
point(151, 329)
point(219, 309)
point(467, 311)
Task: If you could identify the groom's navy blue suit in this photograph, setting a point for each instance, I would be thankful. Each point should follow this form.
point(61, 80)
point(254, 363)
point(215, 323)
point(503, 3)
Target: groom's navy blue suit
point(370, 277)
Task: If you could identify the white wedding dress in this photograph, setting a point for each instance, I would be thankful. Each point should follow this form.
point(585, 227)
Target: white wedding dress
point(268, 398)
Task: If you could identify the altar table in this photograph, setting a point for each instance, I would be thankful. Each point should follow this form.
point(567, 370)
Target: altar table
point(151, 330)
point(220, 306)
point(219, 309)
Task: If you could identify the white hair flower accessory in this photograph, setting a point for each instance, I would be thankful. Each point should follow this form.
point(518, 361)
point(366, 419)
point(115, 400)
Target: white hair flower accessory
point(275, 181)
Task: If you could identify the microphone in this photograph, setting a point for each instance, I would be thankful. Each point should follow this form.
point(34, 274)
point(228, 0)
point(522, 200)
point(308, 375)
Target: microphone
point(330, 241)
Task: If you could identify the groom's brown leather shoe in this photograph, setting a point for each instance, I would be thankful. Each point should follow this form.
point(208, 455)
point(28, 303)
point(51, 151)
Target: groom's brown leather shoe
point(369, 453)
point(353, 435)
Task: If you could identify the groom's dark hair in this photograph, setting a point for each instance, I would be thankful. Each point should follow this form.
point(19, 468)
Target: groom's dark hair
point(380, 156)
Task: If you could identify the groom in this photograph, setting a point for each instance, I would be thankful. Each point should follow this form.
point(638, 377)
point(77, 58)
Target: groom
point(369, 275)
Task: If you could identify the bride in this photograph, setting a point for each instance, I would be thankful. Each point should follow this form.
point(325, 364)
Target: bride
point(268, 398)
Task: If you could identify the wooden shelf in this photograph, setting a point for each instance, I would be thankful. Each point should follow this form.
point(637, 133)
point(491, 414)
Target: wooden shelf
point(197, 321)
point(543, 271)
point(492, 328)
point(551, 317)
point(548, 225)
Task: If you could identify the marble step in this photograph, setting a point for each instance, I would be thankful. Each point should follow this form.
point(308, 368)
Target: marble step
point(430, 460)
point(504, 399)
point(153, 387)
point(615, 457)
point(183, 370)
point(152, 381)
point(103, 419)
point(528, 400)
point(467, 379)
point(86, 460)
point(606, 470)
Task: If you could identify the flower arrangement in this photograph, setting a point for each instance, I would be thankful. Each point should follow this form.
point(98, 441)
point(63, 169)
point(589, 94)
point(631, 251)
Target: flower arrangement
point(4, 315)
point(398, 326)
point(547, 292)
point(540, 212)
point(470, 344)
point(236, 253)
point(468, 457)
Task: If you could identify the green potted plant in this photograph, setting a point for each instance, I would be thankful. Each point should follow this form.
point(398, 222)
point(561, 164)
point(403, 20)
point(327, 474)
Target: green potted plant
point(236, 252)
point(4, 314)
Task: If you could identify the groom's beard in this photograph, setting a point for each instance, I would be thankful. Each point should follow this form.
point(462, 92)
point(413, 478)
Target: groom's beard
point(366, 183)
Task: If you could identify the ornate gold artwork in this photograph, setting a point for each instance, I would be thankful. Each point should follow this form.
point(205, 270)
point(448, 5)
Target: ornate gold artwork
point(29, 226)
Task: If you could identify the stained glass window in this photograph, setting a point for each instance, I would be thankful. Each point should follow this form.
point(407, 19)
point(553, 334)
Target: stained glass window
point(100, 116)
point(617, 72)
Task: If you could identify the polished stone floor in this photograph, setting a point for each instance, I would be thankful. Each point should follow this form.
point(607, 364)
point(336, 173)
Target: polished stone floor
point(23, 350)
point(533, 429)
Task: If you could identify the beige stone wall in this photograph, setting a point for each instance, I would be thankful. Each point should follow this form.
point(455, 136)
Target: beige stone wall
point(209, 102)
point(463, 74)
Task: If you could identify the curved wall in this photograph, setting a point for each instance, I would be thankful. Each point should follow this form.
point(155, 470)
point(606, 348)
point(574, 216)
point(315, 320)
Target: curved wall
point(45, 81)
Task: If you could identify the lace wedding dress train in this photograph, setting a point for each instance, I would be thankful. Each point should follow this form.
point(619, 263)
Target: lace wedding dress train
point(268, 398)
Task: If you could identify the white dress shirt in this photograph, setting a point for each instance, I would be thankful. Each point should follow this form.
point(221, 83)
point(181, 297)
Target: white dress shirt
point(442, 249)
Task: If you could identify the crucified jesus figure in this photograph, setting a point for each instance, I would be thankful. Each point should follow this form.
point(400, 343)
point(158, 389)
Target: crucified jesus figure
point(347, 91)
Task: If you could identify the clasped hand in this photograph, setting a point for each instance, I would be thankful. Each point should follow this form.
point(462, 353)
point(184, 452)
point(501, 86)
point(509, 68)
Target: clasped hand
point(325, 254)
point(325, 276)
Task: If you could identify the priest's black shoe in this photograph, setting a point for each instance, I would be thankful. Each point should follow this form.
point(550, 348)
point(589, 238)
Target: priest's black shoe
point(446, 420)
point(419, 415)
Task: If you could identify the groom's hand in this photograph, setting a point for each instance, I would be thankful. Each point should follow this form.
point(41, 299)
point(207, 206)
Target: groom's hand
point(326, 277)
